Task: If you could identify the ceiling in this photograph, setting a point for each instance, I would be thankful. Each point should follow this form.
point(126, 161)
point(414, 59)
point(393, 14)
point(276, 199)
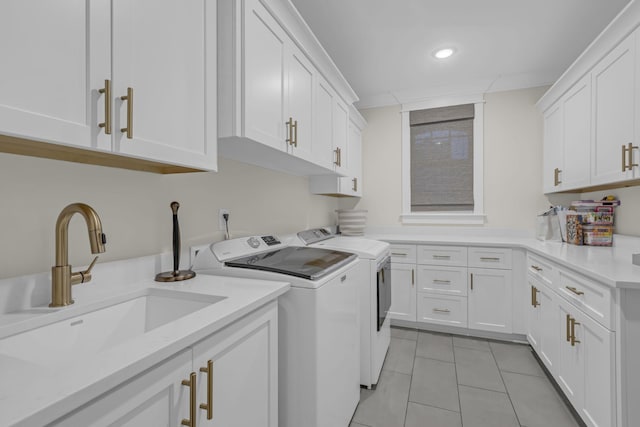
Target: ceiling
point(384, 47)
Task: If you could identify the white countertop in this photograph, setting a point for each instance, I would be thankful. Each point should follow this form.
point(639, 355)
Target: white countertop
point(34, 395)
point(609, 265)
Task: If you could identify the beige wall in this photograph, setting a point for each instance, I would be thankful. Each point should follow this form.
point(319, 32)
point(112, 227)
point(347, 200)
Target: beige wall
point(134, 208)
point(512, 162)
point(627, 220)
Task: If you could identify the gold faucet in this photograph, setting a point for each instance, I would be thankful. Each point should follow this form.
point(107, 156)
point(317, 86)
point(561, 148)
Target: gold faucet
point(61, 275)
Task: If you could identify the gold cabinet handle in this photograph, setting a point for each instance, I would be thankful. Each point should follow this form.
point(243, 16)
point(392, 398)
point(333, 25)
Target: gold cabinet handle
point(534, 296)
point(338, 156)
point(441, 282)
point(441, 256)
point(355, 184)
point(492, 259)
point(568, 327)
point(536, 268)
point(471, 281)
point(129, 98)
point(556, 177)
point(574, 290)
point(209, 405)
point(295, 133)
point(573, 332)
point(630, 149)
point(413, 277)
point(106, 90)
point(398, 254)
point(624, 158)
point(441, 310)
point(289, 125)
point(191, 383)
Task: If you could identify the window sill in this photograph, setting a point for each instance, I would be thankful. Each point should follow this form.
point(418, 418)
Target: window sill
point(445, 218)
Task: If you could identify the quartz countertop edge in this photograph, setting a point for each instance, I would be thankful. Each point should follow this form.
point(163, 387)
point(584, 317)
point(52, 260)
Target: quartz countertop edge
point(610, 265)
point(42, 395)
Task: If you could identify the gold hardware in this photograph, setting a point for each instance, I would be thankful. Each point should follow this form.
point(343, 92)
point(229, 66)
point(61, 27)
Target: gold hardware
point(536, 268)
point(624, 158)
point(295, 133)
point(568, 327)
point(61, 275)
point(445, 282)
point(355, 184)
point(107, 107)
point(471, 281)
point(191, 383)
point(209, 405)
point(534, 296)
point(574, 290)
point(489, 259)
point(289, 124)
point(413, 277)
point(630, 149)
point(129, 98)
point(338, 161)
point(441, 310)
point(573, 332)
point(398, 254)
point(556, 177)
point(382, 271)
point(441, 256)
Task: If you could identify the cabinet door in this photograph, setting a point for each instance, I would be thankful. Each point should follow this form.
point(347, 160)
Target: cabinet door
point(264, 77)
point(155, 398)
point(299, 89)
point(323, 124)
point(552, 146)
point(614, 113)
point(353, 183)
point(570, 357)
point(577, 136)
point(340, 136)
point(243, 379)
point(159, 51)
point(550, 335)
point(403, 292)
point(534, 314)
point(489, 300)
point(56, 55)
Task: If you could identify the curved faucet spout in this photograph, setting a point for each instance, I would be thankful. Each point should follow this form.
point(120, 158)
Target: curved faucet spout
point(94, 226)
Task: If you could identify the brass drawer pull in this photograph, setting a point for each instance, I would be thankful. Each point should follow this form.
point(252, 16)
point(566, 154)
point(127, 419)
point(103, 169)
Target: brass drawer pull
point(398, 254)
point(295, 133)
point(289, 124)
point(441, 310)
point(129, 98)
point(106, 90)
point(355, 184)
point(413, 277)
point(574, 290)
point(556, 177)
point(573, 332)
point(536, 268)
point(441, 256)
point(568, 327)
point(492, 259)
point(624, 159)
point(191, 383)
point(441, 282)
point(209, 405)
point(534, 296)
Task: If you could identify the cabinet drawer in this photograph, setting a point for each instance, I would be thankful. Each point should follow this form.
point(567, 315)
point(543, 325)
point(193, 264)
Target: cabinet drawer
point(490, 258)
point(442, 280)
point(592, 298)
point(540, 268)
point(403, 253)
point(442, 255)
point(442, 309)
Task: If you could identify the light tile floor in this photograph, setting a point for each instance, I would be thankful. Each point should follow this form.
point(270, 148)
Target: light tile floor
point(438, 380)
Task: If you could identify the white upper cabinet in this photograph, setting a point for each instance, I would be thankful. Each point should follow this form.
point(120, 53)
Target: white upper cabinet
point(56, 55)
point(614, 113)
point(159, 51)
point(576, 140)
point(158, 55)
point(277, 109)
point(553, 149)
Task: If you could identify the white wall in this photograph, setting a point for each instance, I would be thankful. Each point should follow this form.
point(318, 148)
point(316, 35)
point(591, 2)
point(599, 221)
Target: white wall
point(512, 162)
point(134, 208)
point(627, 218)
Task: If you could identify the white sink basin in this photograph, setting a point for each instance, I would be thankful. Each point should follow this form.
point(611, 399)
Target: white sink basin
point(90, 333)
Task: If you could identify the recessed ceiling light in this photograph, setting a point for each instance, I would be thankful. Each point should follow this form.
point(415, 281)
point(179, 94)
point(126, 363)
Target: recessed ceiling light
point(443, 53)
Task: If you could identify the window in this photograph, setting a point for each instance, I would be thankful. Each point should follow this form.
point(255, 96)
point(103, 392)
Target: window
point(442, 163)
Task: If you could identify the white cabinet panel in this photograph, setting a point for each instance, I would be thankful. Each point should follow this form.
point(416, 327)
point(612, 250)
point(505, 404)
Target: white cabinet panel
point(155, 398)
point(323, 124)
point(403, 253)
point(442, 280)
point(442, 309)
point(56, 55)
point(576, 141)
point(341, 136)
point(490, 303)
point(552, 148)
point(300, 104)
point(442, 255)
point(403, 292)
point(490, 258)
point(614, 114)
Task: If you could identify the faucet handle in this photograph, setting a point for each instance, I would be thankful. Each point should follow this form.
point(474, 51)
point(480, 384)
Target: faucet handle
point(85, 276)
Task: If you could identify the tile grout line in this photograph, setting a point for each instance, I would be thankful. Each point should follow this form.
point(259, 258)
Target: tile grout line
point(413, 366)
point(455, 369)
point(505, 386)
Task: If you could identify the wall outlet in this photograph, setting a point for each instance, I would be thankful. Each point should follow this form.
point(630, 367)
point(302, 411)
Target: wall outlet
point(221, 221)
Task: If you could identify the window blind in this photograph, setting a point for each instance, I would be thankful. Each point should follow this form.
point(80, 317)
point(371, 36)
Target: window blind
point(442, 159)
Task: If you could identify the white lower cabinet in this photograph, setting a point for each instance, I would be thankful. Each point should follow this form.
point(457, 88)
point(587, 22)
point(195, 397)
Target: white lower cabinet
point(442, 309)
point(542, 319)
point(490, 304)
point(233, 373)
point(403, 292)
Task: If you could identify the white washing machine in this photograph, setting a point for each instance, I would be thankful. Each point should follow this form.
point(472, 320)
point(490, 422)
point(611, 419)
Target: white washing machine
point(318, 323)
point(375, 295)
